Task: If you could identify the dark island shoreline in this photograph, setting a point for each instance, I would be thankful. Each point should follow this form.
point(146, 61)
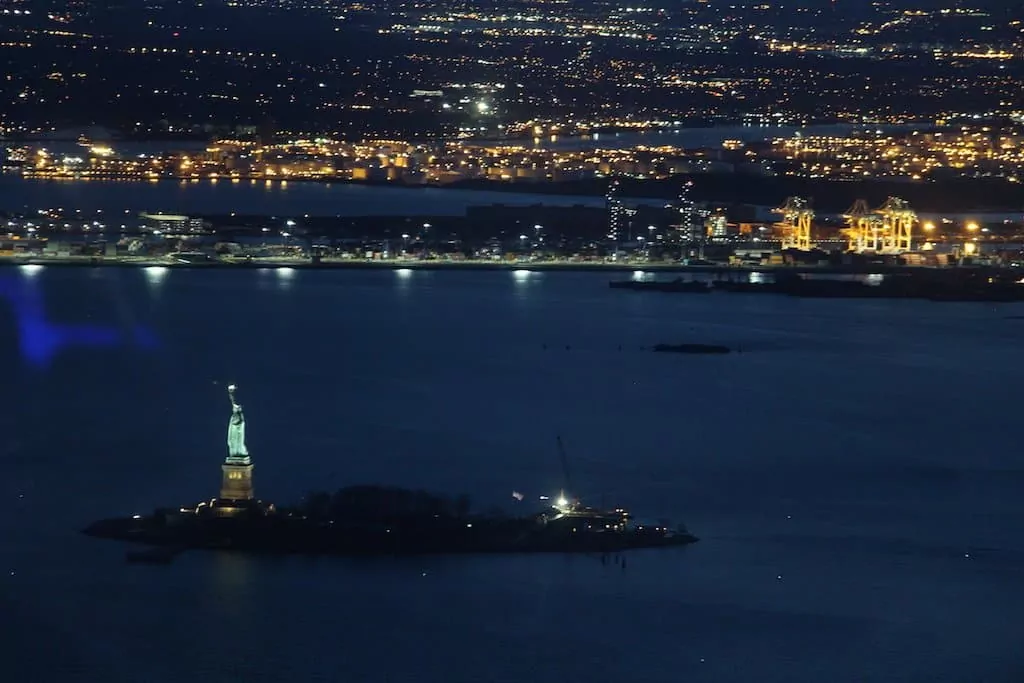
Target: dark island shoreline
point(384, 521)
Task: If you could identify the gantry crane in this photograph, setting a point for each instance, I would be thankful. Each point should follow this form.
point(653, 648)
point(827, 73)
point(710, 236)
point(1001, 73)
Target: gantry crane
point(897, 224)
point(863, 229)
point(796, 224)
point(888, 229)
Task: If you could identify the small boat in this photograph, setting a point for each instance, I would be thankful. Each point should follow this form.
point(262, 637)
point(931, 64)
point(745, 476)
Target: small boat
point(692, 348)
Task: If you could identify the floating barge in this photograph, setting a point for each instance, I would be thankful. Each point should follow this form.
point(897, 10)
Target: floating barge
point(677, 285)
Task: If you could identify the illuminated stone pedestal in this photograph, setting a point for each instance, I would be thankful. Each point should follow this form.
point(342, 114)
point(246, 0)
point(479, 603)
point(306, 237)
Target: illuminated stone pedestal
point(236, 482)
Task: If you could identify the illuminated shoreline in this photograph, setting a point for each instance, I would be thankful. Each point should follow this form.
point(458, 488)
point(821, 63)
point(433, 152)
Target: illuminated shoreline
point(404, 266)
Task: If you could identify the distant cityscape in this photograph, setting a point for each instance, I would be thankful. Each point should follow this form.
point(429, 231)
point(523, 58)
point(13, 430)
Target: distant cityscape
point(923, 155)
point(421, 70)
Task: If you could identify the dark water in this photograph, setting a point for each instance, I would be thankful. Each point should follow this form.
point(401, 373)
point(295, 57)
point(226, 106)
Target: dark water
point(855, 475)
point(123, 197)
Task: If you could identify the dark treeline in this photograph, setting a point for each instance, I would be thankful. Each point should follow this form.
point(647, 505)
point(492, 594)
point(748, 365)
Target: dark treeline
point(381, 504)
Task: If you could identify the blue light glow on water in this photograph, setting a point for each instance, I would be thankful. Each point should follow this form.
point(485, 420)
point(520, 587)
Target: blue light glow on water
point(40, 339)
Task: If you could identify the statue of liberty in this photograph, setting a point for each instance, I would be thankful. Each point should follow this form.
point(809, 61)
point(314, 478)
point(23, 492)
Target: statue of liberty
point(236, 430)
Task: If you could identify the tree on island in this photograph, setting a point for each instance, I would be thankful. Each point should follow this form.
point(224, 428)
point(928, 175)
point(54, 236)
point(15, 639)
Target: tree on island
point(381, 504)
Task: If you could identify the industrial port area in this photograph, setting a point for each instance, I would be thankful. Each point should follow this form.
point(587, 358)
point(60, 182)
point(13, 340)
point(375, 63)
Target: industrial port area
point(940, 193)
point(681, 234)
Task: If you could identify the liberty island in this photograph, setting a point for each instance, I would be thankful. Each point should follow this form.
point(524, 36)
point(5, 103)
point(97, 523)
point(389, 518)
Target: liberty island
point(371, 520)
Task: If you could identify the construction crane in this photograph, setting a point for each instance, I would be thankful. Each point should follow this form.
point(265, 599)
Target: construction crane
point(796, 224)
point(562, 500)
point(897, 225)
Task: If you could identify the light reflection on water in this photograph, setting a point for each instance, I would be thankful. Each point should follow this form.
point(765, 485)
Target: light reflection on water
point(285, 277)
point(155, 275)
point(232, 580)
point(523, 276)
point(407, 280)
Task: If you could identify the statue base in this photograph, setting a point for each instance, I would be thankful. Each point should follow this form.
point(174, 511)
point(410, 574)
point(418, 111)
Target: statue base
point(236, 480)
point(238, 509)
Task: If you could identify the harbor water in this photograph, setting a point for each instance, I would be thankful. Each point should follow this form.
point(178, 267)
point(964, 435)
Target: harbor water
point(109, 199)
point(854, 474)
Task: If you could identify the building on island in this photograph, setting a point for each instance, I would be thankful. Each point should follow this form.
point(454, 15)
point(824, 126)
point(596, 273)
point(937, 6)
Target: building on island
point(170, 224)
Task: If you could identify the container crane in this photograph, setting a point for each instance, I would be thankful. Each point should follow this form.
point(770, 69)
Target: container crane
point(863, 229)
point(796, 224)
point(897, 225)
point(886, 230)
